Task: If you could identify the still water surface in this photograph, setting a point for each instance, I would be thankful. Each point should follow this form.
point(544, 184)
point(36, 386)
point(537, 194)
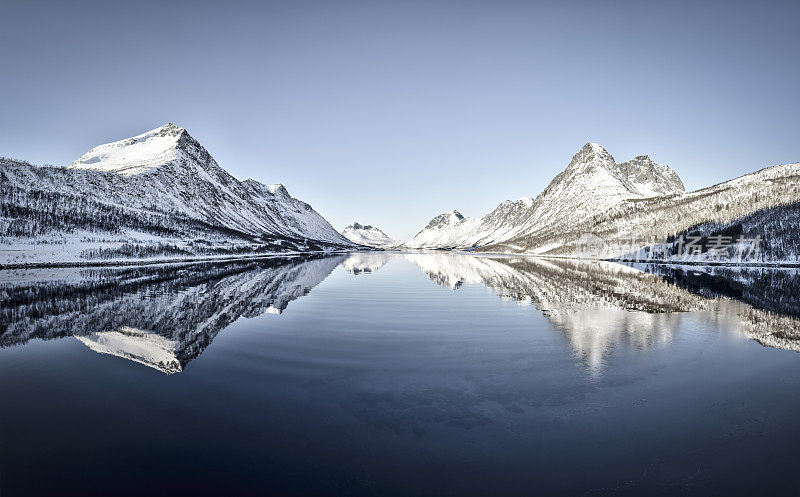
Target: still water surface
point(399, 374)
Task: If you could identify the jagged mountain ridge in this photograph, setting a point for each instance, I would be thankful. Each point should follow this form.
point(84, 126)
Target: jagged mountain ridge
point(592, 182)
point(158, 187)
point(367, 235)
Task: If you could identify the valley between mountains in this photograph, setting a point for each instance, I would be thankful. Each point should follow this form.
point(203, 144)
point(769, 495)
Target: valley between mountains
point(161, 196)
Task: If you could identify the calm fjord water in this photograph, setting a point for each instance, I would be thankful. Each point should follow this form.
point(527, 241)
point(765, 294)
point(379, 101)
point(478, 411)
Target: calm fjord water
point(399, 374)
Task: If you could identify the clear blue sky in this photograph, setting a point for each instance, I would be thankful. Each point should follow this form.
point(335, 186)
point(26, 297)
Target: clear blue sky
point(392, 112)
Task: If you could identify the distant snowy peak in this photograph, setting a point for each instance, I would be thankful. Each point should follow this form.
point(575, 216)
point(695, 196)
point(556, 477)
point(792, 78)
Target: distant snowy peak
point(364, 234)
point(446, 219)
point(591, 153)
point(595, 169)
point(135, 155)
point(447, 230)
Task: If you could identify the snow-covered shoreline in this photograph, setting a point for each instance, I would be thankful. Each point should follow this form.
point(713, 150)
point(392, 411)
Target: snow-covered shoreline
point(168, 260)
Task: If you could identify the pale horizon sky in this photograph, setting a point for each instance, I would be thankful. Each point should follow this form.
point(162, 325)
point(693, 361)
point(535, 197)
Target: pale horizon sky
point(389, 113)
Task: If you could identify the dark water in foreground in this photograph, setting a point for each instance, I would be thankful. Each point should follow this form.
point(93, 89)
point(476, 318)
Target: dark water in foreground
point(417, 374)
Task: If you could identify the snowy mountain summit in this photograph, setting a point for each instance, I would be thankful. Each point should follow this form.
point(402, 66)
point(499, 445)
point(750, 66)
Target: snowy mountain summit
point(364, 234)
point(594, 169)
point(137, 155)
point(446, 220)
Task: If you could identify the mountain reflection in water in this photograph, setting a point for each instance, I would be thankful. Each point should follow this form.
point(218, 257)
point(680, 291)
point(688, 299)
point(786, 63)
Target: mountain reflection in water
point(160, 316)
point(165, 316)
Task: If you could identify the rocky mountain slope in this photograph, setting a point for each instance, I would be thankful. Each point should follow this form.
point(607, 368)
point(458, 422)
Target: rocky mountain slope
point(370, 236)
point(159, 194)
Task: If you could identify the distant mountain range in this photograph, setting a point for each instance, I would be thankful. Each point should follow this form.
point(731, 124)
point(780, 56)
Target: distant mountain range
point(629, 206)
point(161, 196)
point(156, 195)
point(368, 235)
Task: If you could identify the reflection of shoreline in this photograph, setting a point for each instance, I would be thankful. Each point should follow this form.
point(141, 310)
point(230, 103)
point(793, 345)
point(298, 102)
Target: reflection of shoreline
point(163, 317)
point(208, 259)
point(771, 289)
point(600, 304)
point(742, 265)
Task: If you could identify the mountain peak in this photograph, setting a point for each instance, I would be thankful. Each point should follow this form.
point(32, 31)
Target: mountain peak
point(135, 155)
point(595, 147)
point(591, 152)
point(278, 189)
point(169, 128)
point(358, 226)
point(365, 234)
point(446, 219)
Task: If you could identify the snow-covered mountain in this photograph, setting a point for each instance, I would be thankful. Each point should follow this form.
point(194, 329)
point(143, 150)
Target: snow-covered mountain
point(637, 201)
point(592, 182)
point(157, 194)
point(445, 231)
point(370, 236)
point(651, 221)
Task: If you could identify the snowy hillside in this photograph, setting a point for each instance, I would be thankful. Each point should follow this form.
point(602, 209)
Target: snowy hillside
point(156, 195)
point(364, 234)
point(591, 183)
